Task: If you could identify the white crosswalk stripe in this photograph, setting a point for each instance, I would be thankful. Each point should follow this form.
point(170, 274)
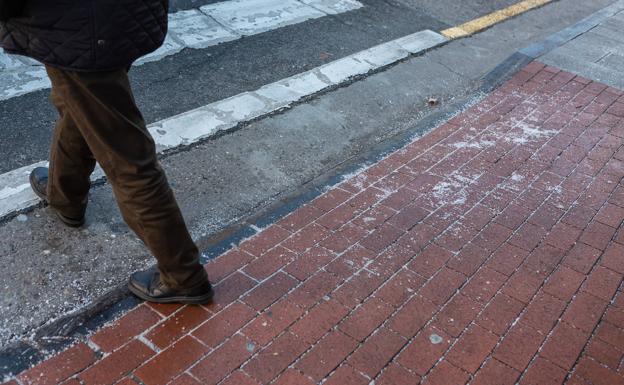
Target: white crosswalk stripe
point(210, 25)
point(267, 15)
point(203, 122)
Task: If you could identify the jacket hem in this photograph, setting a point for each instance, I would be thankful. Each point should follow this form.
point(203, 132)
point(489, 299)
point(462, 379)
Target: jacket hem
point(69, 68)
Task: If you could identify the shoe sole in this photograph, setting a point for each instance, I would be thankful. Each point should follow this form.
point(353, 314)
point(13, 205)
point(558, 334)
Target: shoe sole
point(67, 221)
point(185, 300)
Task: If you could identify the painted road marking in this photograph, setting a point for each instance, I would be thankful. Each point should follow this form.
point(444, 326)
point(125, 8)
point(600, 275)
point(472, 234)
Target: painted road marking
point(264, 16)
point(198, 28)
point(16, 194)
point(493, 18)
point(203, 122)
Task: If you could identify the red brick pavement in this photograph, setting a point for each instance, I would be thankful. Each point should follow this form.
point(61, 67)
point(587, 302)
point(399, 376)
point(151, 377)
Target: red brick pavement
point(489, 252)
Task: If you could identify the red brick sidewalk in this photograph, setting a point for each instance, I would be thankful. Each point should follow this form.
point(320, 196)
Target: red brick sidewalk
point(490, 251)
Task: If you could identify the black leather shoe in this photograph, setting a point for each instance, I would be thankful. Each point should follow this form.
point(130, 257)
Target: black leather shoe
point(148, 286)
point(39, 183)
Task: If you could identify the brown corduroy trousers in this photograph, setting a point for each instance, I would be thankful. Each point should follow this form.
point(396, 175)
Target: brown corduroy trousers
point(99, 120)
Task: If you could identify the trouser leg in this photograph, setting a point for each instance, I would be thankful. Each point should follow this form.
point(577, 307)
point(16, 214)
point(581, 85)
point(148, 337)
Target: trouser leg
point(103, 108)
point(71, 164)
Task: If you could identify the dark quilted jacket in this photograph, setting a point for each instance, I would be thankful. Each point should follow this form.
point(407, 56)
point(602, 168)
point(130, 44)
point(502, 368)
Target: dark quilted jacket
point(86, 35)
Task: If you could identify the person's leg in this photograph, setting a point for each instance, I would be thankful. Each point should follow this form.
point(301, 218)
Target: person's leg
point(104, 110)
point(71, 164)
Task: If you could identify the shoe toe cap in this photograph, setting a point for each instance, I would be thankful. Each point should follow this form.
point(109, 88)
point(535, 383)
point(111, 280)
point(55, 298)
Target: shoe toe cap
point(142, 279)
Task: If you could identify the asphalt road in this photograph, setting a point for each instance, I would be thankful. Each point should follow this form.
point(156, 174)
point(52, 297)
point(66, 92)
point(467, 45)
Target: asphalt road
point(48, 271)
point(194, 77)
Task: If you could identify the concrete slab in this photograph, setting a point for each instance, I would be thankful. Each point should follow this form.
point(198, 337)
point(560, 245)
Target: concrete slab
point(566, 59)
point(592, 46)
point(613, 61)
point(588, 54)
point(610, 31)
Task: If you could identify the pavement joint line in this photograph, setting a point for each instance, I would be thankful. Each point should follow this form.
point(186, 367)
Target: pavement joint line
point(207, 26)
point(487, 21)
point(205, 122)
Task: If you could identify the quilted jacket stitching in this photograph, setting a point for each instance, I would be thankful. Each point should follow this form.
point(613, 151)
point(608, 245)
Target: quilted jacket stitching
point(145, 15)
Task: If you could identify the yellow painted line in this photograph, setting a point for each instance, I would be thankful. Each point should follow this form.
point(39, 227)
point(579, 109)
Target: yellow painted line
point(496, 17)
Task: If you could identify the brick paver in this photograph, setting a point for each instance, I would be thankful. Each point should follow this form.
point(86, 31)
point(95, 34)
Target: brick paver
point(490, 251)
